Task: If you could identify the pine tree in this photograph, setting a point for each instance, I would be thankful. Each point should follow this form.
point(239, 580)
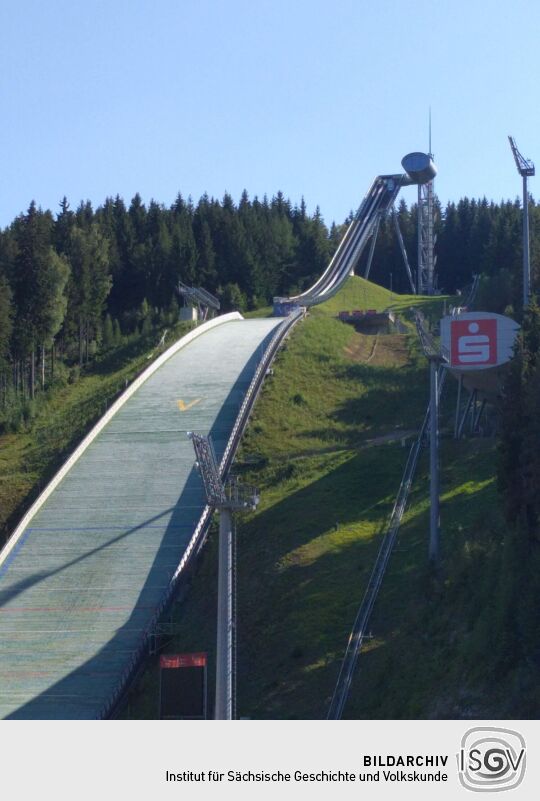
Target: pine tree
point(138, 218)
point(159, 284)
point(183, 255)
point(33, 263)
point(519, 467)
point(312, 254)
point(232, 298)
point(206, 272)
point(89, 286)
point(6, 321)
point(118, 339)
point(62, 227)
point(108, 332)
point(53, 303)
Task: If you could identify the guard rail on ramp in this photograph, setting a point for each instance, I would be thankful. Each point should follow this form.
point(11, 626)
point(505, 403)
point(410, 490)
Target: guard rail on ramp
point(93, 562)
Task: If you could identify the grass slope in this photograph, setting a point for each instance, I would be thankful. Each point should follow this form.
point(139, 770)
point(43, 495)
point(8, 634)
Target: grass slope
point(357, 293)
point(426, 646)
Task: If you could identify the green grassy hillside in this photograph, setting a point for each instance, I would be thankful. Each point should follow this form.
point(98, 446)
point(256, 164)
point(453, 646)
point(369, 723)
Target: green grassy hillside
point(357, 293)
point(324, 446)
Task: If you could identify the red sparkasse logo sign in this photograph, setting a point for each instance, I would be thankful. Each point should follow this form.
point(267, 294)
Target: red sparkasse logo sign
point(473, 342)
point(479, 340)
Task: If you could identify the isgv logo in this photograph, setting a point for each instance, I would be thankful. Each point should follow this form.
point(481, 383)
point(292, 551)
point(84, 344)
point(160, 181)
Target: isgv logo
point(491, 759)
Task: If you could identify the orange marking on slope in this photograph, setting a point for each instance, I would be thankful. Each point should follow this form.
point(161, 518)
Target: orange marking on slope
point(185, 406)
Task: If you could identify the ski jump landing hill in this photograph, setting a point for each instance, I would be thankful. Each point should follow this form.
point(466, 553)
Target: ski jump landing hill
point(91, 567)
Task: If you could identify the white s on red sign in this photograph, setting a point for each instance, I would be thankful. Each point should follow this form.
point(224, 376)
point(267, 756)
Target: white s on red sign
point(478, 340)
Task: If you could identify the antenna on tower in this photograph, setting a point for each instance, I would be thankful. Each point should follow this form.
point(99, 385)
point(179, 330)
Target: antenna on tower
point(525, 167)
point(429, 151)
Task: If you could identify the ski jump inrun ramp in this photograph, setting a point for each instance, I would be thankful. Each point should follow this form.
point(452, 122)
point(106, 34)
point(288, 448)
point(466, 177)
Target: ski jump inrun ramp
point(80, 583)
point(88, 571)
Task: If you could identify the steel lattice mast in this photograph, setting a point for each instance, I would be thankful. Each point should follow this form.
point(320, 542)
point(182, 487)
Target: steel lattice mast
point(426, 233)
point(525, 167)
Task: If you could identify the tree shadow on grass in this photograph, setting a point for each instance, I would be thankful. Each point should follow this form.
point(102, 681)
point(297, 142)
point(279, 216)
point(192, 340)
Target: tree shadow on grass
point(387, 399)
point(302, 578)
point(294, 622)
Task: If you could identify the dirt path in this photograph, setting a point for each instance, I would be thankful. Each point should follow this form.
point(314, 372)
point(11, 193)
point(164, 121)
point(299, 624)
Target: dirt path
point(384, 350)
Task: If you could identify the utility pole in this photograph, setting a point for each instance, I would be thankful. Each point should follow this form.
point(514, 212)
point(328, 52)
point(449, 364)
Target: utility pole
point(525, 168)
point(226, 498)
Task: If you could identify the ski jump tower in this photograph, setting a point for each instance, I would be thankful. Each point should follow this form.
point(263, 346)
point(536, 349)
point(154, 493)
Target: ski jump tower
point(426, 239)
point(425, 279)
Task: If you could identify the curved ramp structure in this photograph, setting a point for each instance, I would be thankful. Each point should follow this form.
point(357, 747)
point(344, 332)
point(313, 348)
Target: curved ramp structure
point(380, 198)
point(90, 565)
point(378, 201)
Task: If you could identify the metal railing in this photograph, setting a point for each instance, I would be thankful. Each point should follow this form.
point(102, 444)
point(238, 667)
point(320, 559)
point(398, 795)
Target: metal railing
point(255, 387)
point(432, 349)
point(473, 290)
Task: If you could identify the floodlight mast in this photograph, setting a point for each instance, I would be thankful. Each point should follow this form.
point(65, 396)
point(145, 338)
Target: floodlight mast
point(525, 168)
point(226, 498)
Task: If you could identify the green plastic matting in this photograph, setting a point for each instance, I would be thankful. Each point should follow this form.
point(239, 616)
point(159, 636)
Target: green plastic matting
point(85, 578)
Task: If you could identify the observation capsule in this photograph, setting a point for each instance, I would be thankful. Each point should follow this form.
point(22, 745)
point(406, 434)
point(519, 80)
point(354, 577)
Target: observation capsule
point(419, 167)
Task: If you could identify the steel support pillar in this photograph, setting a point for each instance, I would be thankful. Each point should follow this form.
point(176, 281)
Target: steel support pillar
point(458, 406)
point(403, 250)
point(420, 255)
point(526, 254)
point(479, 417)
point(224, 655)
point(464, 416)
point(226, 498)
point(434, 546)
point(426, 239)
point(374, 236)
point(429, 242)
point(473, 410)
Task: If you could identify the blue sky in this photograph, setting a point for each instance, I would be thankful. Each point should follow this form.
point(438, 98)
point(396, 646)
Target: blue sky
point(313, 98)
